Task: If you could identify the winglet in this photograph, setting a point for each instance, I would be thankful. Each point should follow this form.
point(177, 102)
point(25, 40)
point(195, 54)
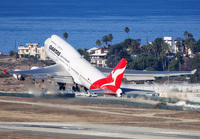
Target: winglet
point(5, 71)
point(193, 71)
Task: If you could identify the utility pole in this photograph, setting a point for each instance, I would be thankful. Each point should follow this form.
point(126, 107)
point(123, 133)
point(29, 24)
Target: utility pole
point(147, 39)
point(29, 62)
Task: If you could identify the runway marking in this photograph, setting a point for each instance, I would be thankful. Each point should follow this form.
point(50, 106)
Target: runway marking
point(97, 130)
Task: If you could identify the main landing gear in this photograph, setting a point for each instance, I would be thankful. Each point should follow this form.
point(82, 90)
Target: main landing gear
point(61, 86)
point(76, 88)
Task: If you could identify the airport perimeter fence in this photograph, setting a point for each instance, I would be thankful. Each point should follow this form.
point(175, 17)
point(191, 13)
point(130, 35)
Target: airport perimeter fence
point(46, 96)
point(193, 103)
point(64, 96)
point(16, 94)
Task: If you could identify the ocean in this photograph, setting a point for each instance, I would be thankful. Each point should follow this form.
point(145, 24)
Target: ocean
point(85, 21)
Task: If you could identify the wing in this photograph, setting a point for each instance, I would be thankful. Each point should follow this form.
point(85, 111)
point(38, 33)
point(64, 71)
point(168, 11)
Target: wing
point(134, 75)
point(38, 71)
point(56, 72)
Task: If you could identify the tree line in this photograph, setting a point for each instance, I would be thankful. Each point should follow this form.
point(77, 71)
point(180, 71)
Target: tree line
point(156, 55)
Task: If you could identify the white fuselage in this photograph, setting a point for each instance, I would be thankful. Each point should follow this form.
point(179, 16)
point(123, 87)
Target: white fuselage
point(82, 72)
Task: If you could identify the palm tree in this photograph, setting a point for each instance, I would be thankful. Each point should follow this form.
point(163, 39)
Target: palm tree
point(179, 42)
point(148, 48)
point(105, 39)
point(179, 57)
point(65, 35)
point(190, 35)
point(98, 43)
point(134, 46)
point(165, 49)
point(127, 30)
point(110, 37)
point(191, 44)
point(186, 35)
point(154, 49)
point(186, 41)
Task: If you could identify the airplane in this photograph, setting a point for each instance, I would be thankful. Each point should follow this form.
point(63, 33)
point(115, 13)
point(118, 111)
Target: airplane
point(72, 68)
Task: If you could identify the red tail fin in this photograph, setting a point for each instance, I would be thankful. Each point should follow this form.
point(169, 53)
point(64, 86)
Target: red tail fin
point(117, 74)
point(114, 80)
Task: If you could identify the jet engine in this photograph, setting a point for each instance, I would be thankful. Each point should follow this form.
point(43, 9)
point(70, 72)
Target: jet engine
point(18, 76)
point(34, 68)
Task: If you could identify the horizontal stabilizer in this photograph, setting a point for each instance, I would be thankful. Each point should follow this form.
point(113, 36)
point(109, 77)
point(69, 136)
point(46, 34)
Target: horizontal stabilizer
point(135, 90)
point(129, 91)
point(102, 91)
point(5, 71)
point(192, 72)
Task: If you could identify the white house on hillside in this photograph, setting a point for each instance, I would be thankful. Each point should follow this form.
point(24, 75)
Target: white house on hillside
point(92, 50)
point(172, 43)
point(98, 56)
point(32, 49)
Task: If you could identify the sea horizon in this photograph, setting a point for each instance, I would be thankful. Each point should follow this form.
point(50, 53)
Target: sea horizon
point(86, 21)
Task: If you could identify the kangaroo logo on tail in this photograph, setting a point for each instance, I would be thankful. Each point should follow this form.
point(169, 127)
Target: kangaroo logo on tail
point(116, 76)
point(114, 79)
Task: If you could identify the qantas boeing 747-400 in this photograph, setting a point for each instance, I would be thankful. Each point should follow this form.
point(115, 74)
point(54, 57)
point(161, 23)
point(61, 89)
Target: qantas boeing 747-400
point(71, 67)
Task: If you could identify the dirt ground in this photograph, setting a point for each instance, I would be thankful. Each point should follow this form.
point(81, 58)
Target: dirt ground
point(14, 135)
point(96, 113)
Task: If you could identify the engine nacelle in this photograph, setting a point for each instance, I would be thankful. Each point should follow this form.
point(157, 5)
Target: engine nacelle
point(18, 76)
point(119, 93)
point(34, 68)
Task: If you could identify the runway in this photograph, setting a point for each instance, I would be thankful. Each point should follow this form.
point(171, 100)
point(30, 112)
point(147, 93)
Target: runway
point(97, 131)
